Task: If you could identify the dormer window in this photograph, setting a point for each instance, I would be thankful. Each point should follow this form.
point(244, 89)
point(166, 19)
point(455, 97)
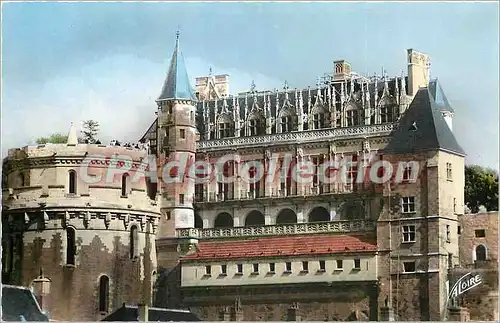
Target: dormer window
point(286, 124)
point(319, 121)
point(224, 130)
point(386, 114)
point(352, 118)
point(253, 127)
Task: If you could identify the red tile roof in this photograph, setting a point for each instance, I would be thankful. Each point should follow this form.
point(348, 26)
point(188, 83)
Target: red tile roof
point(299, 245)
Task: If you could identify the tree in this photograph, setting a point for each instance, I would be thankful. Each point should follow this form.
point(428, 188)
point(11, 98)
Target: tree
point(481, 188)
point(90, 131)
point(55, 138)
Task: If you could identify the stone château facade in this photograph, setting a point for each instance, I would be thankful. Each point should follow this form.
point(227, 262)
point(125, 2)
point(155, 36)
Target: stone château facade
point(254, 249)
point(95, 242)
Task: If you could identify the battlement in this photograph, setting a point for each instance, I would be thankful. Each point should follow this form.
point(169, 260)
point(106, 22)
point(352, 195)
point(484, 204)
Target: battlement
point(79, 150)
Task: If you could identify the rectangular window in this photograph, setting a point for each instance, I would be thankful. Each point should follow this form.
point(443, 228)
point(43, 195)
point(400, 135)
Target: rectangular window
point(450, 260)
point(448, 233)
point(272, 267)
point(409, 267)
point(223, 269)
point(357, 264)
point(340, 264)
point(408, 204)
point(305, 266)
point(352, 118)
point(253, 127)
point(182, 133)
point(224, 130)
point(208, 270)
point(480, 233)
point(198, 192)
point(288, 267)
point(255, 268)
point(448, 172)
point(408, 233)
point(454, 205)
point(286, 124)
point(240, 269)
point(459, 230)
point(322, 265)
point(181, 199)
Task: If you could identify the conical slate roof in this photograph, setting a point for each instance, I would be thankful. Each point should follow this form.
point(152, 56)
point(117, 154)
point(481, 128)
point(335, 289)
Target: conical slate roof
point(177, 84)
point(423, 128)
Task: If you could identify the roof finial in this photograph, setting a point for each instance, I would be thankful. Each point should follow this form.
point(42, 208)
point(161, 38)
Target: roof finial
point(177, 33)
point(285, 87)
point(252, 86)
point(210, 71)
point(318, 82)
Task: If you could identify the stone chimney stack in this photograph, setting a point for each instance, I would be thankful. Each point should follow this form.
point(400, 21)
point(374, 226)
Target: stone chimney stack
point(212, 86)
point(418, 71)
point(341, 70)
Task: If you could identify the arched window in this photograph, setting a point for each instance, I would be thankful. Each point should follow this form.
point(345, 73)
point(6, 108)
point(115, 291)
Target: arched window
point(134, 242)
point(72, 182)
point(319, 214)
point(103, 293)
point(198, 221)
point(481, 253)
point(70, 246)
point(254, 218)
point(286, 216)
point(224, 220)
point(125, 184)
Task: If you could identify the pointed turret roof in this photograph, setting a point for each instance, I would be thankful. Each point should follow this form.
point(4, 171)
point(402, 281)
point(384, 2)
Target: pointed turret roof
point(423, 128)
point(177, 84)
point(439, 97)
point(72, 138)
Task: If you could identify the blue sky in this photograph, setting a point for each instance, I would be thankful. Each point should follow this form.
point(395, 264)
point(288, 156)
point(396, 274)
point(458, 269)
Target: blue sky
point(68, 62)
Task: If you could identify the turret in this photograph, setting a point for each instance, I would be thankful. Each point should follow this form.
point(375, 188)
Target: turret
point(176, 147)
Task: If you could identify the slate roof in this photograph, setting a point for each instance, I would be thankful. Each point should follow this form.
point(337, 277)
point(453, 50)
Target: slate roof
point(177, 85)
point(275, 100)
point(295, 245)
point(439, 96)
point(17, 301)
point(423, 128)
point(130, 313)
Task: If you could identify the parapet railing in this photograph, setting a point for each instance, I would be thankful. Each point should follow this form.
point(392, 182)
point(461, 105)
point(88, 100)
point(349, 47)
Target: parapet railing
point(343, 226)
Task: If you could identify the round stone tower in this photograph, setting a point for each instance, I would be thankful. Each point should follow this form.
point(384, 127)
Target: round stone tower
point(82, 214)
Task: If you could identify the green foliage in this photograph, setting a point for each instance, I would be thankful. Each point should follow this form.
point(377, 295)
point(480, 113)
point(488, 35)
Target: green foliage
point(90, 131)
point(481, 188)
point(55, 138)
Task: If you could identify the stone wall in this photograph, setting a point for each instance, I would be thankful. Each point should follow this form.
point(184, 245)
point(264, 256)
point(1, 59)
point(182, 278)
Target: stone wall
point(313, 303)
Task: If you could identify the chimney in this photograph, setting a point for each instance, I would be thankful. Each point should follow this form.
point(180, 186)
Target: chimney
point(341, 70)
point(143, 312)
point(418, 71)
point(212, 86)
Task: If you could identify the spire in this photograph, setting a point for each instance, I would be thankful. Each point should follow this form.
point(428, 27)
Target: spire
point(177, 85)
point(72, 138)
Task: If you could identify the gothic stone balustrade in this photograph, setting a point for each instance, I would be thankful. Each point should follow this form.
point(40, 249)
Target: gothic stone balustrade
point(295, 137)
point(279, 229)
